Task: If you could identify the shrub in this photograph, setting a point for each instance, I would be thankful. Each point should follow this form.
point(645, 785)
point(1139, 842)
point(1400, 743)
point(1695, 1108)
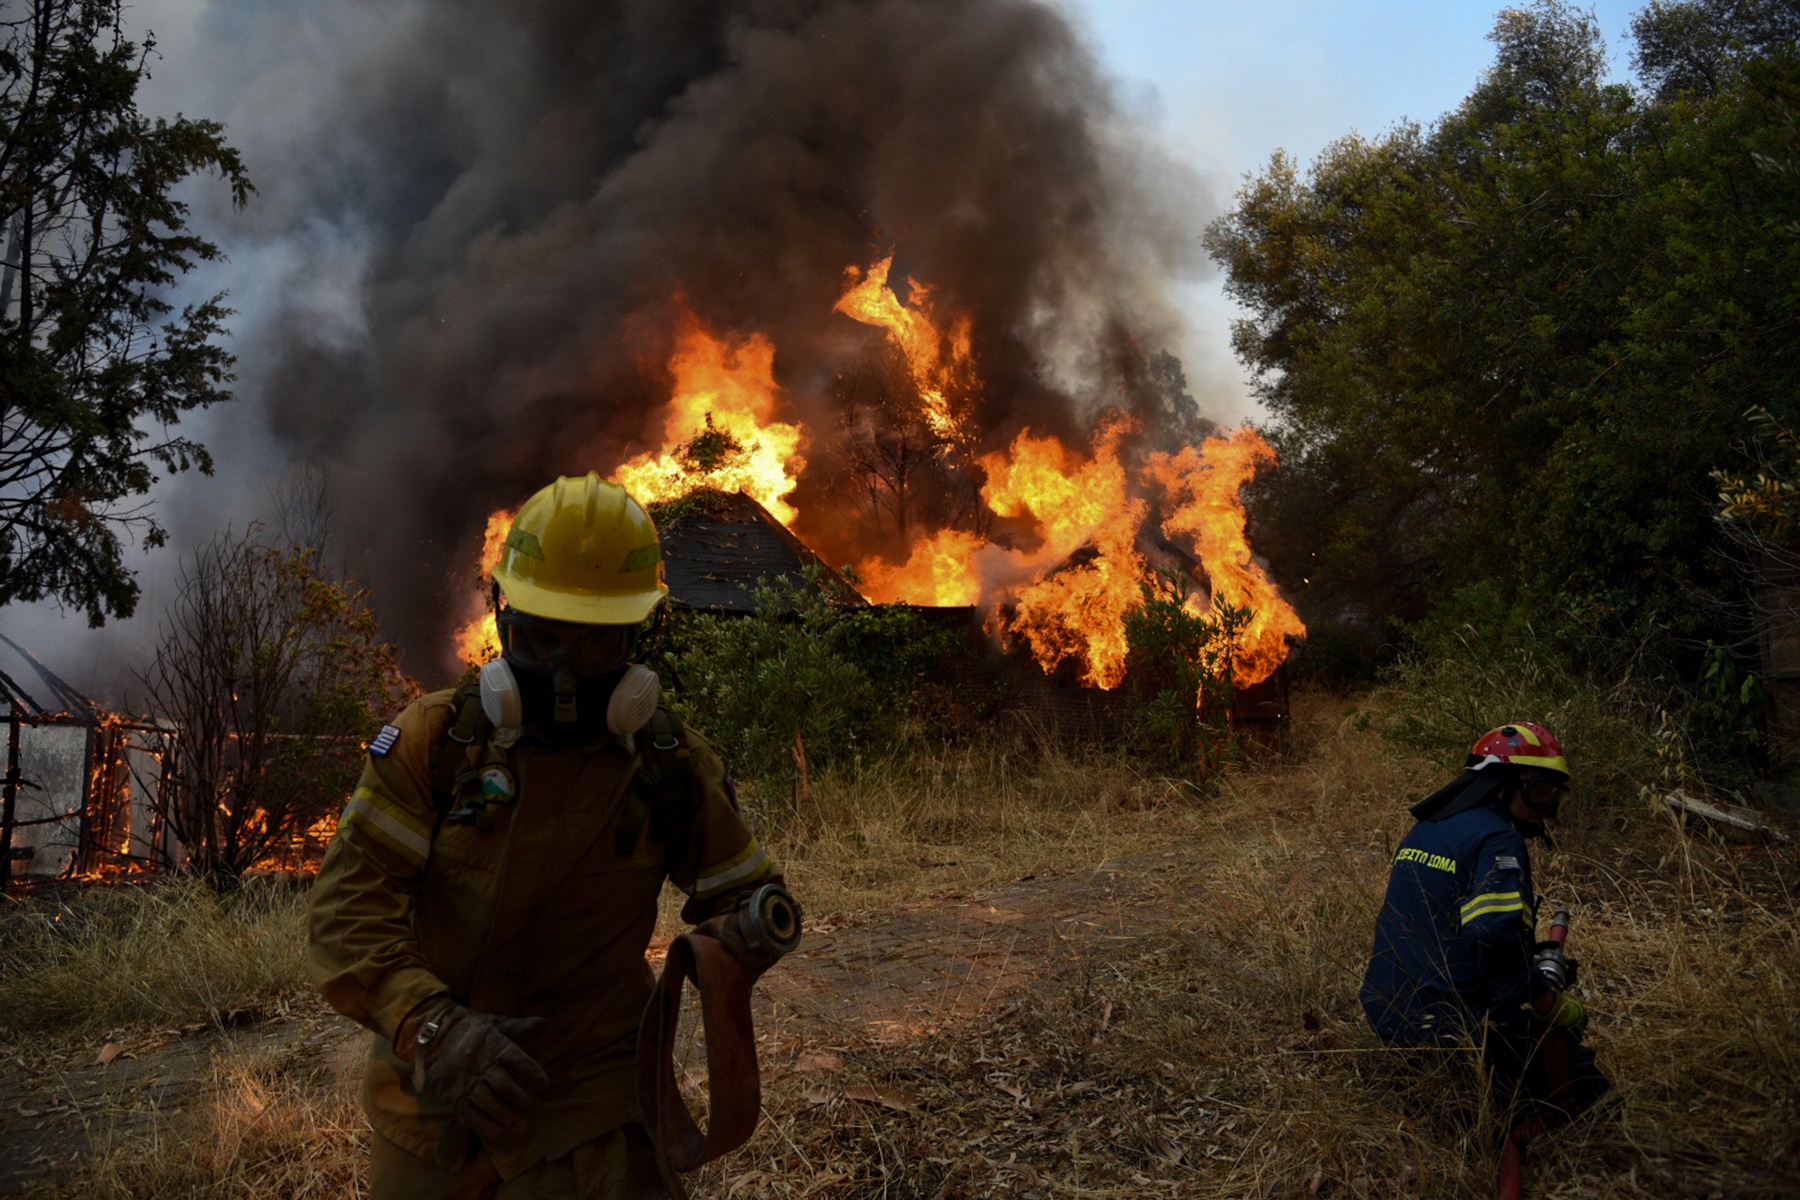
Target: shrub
point(1615, 733)
point(1178, 667)
point(839, 679)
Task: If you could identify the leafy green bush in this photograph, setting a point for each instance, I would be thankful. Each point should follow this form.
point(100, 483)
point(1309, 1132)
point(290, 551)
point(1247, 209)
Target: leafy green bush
point(1616, 734)
point(1178, 666)
point(840, 679)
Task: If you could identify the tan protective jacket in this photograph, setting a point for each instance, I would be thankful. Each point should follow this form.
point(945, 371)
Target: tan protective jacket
point(538, 915)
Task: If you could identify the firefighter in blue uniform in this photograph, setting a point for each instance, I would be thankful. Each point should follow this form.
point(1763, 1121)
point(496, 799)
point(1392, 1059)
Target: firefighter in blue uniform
point(1453, 960)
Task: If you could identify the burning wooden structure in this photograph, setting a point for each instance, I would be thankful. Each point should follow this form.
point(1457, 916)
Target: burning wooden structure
point(83, 786)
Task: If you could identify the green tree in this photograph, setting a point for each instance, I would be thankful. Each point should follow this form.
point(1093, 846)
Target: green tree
point(1700, 46)
point(1504, 355)
point(95, 365)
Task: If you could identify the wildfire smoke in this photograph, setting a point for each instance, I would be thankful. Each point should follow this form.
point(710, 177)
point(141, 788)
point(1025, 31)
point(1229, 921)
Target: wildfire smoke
point(632, 227)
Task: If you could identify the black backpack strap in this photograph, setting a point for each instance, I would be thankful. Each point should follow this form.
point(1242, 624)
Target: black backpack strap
point(663, 790)
point(452, 770)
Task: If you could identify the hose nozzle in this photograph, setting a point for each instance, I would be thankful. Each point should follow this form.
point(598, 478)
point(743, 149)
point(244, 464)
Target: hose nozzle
point(769, 921)
point(1550, 960)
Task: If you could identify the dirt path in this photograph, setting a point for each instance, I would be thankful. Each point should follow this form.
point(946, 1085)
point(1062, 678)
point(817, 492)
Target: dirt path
point(875, 976)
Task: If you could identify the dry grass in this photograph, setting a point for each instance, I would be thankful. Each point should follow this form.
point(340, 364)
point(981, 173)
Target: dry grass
point(969, 817)
point(1219, 1050)
point(1211, 1045)
point(285, 1123)
point(170, 953)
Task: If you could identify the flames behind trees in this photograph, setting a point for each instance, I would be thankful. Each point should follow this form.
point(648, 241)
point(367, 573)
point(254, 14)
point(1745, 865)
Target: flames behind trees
point(273, 675)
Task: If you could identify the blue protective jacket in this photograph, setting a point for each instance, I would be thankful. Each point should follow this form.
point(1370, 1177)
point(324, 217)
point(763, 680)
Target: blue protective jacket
point(1454, 939)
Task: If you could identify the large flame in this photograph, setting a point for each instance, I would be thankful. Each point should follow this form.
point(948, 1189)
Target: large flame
point(479, 640)
point(939, 572)
point(1078, 609)
point(1203, 484)
point(719, 429)
point(1066, 571)
point(1070, 594)
point(938, 359)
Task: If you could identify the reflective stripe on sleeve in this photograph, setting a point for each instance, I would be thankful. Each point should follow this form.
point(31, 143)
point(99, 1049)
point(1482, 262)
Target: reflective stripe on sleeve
point(1489, 903)
point(389, 824)
point(747, 863)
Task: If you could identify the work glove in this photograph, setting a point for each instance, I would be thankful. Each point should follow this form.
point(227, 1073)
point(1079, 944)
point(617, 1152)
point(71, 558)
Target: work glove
point(474, 1061)
point(1565, 1012)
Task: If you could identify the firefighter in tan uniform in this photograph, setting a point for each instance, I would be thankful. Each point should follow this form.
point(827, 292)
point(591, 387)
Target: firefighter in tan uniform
point(487, 902)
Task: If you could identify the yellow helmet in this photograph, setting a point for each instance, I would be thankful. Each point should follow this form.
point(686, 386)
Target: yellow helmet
point(582, 550)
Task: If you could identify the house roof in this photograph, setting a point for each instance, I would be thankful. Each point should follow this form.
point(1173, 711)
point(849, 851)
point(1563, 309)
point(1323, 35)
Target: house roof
point(34, 692)
point(718, 546)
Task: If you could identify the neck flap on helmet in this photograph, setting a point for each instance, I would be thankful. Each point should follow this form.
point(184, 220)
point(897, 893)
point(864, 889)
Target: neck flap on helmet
point(1472, 789)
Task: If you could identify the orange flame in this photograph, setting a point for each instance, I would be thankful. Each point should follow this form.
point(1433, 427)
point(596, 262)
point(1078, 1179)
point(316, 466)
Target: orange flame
point(720, 430)
point(1079, 610)
point(479, 641)
point(939, 572)
point(940, 376)
point(1204, 484)
point(1067, 593)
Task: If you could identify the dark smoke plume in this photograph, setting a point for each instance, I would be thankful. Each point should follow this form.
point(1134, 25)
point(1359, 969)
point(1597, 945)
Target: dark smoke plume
point(526, 189)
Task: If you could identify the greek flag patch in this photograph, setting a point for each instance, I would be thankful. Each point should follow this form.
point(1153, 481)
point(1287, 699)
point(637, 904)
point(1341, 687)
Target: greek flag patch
point(1505, 862)
point(384, 741)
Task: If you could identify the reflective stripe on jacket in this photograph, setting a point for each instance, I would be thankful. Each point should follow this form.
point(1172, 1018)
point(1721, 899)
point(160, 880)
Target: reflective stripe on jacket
point(537, 914)
point(1453, 941)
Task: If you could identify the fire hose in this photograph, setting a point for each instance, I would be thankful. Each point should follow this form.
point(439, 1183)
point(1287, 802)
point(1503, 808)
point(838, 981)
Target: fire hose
point(765, 927)
point(1553, 1051)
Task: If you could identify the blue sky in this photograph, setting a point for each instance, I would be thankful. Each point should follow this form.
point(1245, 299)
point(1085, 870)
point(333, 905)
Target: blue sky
point(1226, 84)
point(1230, 82)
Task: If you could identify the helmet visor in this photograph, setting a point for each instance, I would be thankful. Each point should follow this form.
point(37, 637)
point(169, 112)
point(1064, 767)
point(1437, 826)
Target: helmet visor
point(541, 644)
point(1544, 795)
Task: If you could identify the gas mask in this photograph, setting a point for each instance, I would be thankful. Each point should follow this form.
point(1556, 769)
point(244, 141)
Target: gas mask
point(567, 680)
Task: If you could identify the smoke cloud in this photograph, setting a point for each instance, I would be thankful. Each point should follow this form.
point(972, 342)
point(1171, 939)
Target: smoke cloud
point(477, 222)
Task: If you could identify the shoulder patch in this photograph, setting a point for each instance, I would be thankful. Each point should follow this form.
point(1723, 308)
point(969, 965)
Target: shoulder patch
point(384, 741)
point(497, 786)
point(1505, 862)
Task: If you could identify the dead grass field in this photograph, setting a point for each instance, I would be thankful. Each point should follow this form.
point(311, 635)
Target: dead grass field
point(1206, 1043)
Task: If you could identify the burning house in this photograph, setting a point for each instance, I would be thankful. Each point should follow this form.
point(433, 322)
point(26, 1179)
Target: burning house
point(905, 274)
point(83, 786)
point(1043, 546)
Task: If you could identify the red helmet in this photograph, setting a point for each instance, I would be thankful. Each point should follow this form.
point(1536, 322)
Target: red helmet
point(1520, 744)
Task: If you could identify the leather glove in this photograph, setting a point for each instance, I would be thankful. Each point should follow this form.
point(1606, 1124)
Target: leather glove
point(1565, 1012)
point(474, 1061)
